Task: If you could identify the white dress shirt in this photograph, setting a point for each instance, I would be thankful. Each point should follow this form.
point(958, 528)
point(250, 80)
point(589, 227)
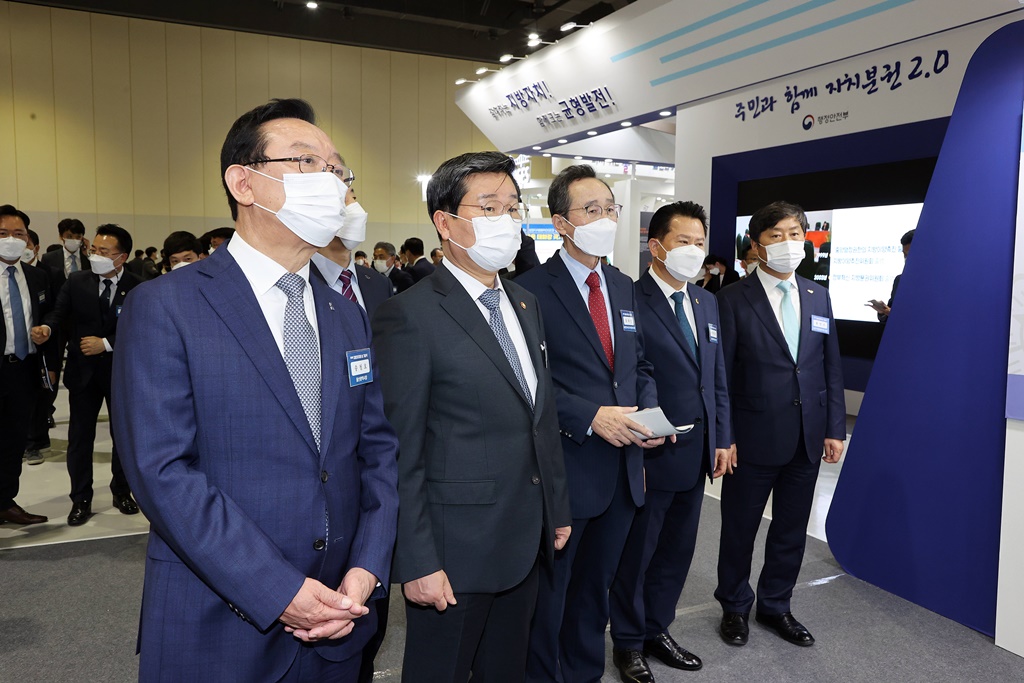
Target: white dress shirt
point(332, 274)
point(26, 305)
point(114, 279)
point(67, 259)
point(668, 291)
point(580, 273)
point(771, 288)
point(263, 272)
point(474, 288)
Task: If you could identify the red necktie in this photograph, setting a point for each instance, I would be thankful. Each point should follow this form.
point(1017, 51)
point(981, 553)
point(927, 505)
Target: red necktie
point(600, 317)
point(346, 285)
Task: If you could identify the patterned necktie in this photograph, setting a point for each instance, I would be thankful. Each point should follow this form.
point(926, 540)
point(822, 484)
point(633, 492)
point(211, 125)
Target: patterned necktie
point(301, 353)
point(685, 324)
point(105, 298)
point(790, 323)
point(600, 317)
point(491, 299)
point(18, 315)
point(74, 264)
point(346, 285)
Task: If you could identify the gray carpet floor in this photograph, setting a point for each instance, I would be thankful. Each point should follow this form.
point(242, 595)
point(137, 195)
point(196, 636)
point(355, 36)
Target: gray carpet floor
point(69, 613)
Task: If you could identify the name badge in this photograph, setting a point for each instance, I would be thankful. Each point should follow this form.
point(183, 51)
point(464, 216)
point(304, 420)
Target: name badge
point(819, 324)
point(359, 369)
point(42, 297)
point(117, 312)
point(628, 321)
point(713, 333)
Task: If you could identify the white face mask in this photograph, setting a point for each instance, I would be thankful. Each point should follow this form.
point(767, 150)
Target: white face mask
point(353, 231)
point(101, 265)
point(750, 268)
point(597, 238)
point(716, 271)
point(785, 256)
point(29, 256)
point(361, 262)
point(314, 205)
point(683, 262)
point(180, 264)
point(72, 245)
point(496, 242)
point(380, 265)
point(11, 248)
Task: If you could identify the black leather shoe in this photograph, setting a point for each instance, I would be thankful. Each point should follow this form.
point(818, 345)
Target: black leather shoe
point(668, 651)
point(734, 628)
point(632, 666)
point(80, 513)
point(17, 515)
point(126, 504)
point(787, 627)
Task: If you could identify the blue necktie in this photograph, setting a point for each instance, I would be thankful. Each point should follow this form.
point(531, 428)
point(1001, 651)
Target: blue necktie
point(301, 353)
point(685, 324)
point(491, 299)
point(790, 323)
point(74, 264)
point(18, 313)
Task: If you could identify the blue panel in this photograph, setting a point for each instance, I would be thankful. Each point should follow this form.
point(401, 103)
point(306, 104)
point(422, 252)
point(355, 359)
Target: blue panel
point(917, 509)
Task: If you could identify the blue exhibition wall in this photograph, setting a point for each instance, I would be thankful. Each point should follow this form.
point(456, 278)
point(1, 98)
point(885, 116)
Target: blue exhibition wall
point(917, 508)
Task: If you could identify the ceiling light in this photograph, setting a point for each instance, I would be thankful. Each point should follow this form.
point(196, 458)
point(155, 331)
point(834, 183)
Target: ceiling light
point(460, 81)
point(625, 124)
point(607, 161)
point(546, 154)
point(536, 147)
point(607, 175)
point(562, 141)
point(423, 178)
point(311, 5)
point(533, 36)
point(570, 25)
point(577, 158)
point(482, 70)
point(591, 132)
point(506, 58)
point(664, 113)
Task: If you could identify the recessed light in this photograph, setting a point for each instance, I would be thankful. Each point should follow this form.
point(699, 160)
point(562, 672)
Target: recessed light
point(562, 141)
point(423, 178)
point(607, 161)
point(546, 154)
point(626, 124)
point(577, 158)
point(591, 132)
point(311, 5)
point(607, 175)
point(536, 147)
point(664, 113)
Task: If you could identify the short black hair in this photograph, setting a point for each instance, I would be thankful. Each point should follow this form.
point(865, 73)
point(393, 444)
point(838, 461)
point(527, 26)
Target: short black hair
point(246, 141)
point(907, 238)
point(150, 251)
point(359, 254)
point(558, 193)
point(712, 259)
point(386, 246)
point(33, 236)
point(8, 210)
point(414, 246)
point(180, 241)
point(139, 253)
point(434, 251)
point(124, 239)
point(72, 225)
point(663, 217)
point(447, 186)
point(769, 216)
point(53, 247)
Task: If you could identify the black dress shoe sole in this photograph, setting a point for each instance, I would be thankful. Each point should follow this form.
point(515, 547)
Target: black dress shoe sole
point(78, 520)
point(776, 631)
point(735, 642)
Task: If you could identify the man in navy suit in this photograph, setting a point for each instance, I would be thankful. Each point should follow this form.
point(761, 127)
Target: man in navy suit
point(385, 262)
point(419, 265)
point(272, 523)
point(682, 338)
point(601, 375)
point(786, 394)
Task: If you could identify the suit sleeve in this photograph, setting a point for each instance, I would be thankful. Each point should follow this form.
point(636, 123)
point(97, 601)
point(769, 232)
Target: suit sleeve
point(405, 371)
point(723, 418)
point(646, 391)
point(49, 350)
point(561, 513)
point(727, 320)
point(836, 425)
point(61, 310)
point(205, 528)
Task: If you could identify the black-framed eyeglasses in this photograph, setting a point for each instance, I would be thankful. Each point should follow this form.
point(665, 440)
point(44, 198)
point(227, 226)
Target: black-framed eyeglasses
point(311, 163)
point(494, 210)
point(595, 211)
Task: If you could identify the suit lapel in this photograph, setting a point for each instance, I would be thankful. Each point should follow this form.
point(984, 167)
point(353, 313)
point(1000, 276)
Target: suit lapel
point(569, 295)
point(664, 311)
point(763, 310)
point(807, 301)
point(465, 312)
point(527, 321)
point(334, 323)
point(232, 298)
point(700, 322)
point(621, 299)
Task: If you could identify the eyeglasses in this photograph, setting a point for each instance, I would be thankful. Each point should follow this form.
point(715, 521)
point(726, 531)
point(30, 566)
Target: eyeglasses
point(494, 210)
point(103, 251)
point(595, 211)
point(311, 163)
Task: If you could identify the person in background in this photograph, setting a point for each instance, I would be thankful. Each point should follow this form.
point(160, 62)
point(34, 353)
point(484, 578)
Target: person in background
point(41, 411)
point(213, 239)
point(72, 258)
point(361, 259)
point(749, 262)
point(182, 248)
point(137, 265)
point(385, 262)
point(883, 310)
point(418, 264)
point(436, 254)
point(718, 273)
point(31, 253)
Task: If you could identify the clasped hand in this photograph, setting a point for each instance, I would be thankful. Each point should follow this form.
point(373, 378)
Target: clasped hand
point(317, 612)
point(612, 425)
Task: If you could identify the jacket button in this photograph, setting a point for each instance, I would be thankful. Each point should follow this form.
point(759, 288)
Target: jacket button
point(697, 420)
point(535, 479)
point(796, 402)
point(798, 371)
point(319, 544)
point(324, 476)
point(702, 389)
point(615, 385)
point(536, 432)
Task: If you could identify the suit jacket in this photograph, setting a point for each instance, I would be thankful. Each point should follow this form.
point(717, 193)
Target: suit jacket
point(774, 399)
point(53, 263)
point(883, 317)
point(584, 382)
point(400, 280)
point(78, 311)
point(41, 296)
point(373, 286)
point(421, 269)
point(222, 460)
point(526, 257)
point(481, 477)
point(688, 393)
point(715, 284)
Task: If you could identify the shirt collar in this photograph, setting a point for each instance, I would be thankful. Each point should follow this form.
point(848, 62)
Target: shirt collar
point(578, 271)
point(328, 268)
point(770, 282)
point(472, 286)
point(665, 287)
point(260, 270)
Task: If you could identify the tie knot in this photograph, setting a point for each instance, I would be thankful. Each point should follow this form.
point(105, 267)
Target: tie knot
point(677, 297)
point(594, 281)
point(346, 277)
point(784, 286)
point(10, 270)
point(107, 281)
point(490, 298)
point(291, 284)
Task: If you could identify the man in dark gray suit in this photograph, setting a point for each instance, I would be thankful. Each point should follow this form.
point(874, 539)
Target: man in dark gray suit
point(482, 487)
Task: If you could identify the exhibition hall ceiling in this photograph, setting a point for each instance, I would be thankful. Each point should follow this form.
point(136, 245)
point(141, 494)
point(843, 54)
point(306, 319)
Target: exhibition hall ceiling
point(478, 30)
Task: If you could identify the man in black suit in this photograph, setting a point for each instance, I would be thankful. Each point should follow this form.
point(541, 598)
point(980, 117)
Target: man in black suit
point(681, 339)
point(89, 305)
point(419, 265)
point(25, 298)
point(883, 310)
point(601, 375)
point(786, 394)
point(718, 273)
point(385, 262)
point(70, 258)
point(481, 480)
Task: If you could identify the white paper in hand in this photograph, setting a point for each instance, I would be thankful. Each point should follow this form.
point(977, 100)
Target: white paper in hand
point(655, 420)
